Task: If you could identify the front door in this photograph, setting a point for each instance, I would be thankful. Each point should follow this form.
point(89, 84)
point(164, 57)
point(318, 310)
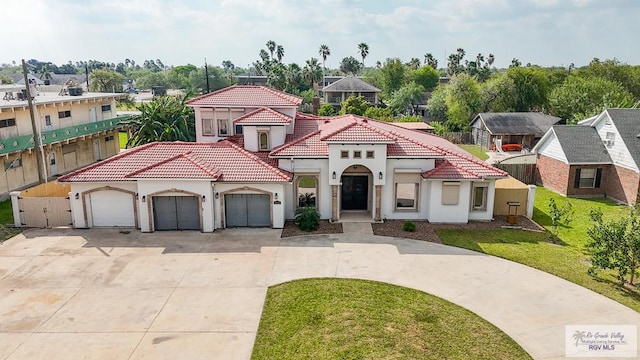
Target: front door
point(93, 114)
point(355, 192)
point(97, 155)
point(53, 163)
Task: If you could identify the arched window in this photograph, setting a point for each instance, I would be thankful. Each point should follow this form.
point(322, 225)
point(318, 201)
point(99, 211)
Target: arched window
point(307, 191)
point(263, 139)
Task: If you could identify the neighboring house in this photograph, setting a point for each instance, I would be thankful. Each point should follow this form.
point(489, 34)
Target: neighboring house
point(598, 157)
point(257, 160)
point(340, 90)
point(76, 131)
point(417, 125)
point(522, 128)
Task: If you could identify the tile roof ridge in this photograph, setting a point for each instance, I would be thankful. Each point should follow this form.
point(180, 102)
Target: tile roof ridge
point(216, 92)
point(410, 139)
point(108, 160)
point(364, 122)
point(473, 160)
point(202, 164)
point(256, 158)
point(289, 144)
point(284, 95)
point(167, 160)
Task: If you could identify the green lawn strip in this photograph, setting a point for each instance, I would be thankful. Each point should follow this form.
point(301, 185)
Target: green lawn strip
point(122, 136)
point(6, 218)
point(475, 150)
point(569, 259)
point(359, 319)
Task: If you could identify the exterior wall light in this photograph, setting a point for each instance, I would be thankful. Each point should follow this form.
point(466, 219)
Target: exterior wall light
point(275, 196)
point(77, 196)
point(217, 195)
point(333, 175)
point(204, 198)
point(380, 175)
point(144, 198)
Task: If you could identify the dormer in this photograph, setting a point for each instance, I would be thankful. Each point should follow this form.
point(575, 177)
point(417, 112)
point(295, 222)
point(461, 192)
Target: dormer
point(267, 115)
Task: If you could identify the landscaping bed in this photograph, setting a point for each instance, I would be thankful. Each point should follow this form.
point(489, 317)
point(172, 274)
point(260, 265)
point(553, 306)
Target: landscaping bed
point(427, 232)
point(290, 229)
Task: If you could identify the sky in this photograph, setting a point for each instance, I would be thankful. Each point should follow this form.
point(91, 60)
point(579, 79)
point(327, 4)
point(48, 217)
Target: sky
point(542, 32)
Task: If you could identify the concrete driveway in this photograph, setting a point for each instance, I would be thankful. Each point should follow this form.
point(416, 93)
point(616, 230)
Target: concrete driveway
point(102, 294)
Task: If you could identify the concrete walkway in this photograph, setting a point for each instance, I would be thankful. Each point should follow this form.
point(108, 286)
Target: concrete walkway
point(101, 294)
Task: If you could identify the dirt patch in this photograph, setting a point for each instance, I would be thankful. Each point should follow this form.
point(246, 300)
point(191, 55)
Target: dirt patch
point(427, 232)
point(290, 229)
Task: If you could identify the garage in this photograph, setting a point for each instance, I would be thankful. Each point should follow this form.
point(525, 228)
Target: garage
point(247, 210)
point(112, 208)
point(176, 213)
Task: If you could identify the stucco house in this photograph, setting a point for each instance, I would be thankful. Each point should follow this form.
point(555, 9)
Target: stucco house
point(256, 160)
point(522, 128)
point(598, 157)
point(339, 90)
point(75, 131)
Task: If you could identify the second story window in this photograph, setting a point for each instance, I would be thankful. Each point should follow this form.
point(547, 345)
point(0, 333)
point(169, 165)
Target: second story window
point(207, 127)
point(106, 107)
point(7, 123)
point(64, 114)
point(47, 120)
point(357, 154)
point(263, 141)
point(344, 154)
point(223, 128)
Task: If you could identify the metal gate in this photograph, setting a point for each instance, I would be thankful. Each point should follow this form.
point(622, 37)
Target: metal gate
point(43, 212)
point(247, 210)
point(176, 213)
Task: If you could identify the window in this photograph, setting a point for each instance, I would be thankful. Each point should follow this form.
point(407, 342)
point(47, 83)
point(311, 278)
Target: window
point(369, 154)
point(479, 201)
point(450, 193)
point(307, 191)
point(47, 120)
point(263, 141)
point(12, 164)
point(238, 129)
point(207, 127)
point(223, 129)
point(344, 154)
point(610, 138)
point(587, 178)
point(108, 138)
point(64, 114)
point(7, 123)
point(357, 154)
point(406, 196)
point(106, 107)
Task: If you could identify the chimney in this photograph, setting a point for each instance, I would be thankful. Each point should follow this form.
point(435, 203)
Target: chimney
point(316, 105)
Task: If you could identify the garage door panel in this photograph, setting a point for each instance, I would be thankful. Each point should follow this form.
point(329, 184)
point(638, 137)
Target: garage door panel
point(258, 210)
point(112, 208)
point(188, 215)
point(236, 210)
point(252, 210)
point(176, 213)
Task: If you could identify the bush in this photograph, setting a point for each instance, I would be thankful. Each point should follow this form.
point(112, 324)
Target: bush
point(409, 226)
point(307, 218)
point(326, 110)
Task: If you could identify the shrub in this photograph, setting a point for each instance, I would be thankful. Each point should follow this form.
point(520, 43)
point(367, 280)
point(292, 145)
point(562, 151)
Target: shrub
point(307, 218)
point(326, 110)
point(409, 226)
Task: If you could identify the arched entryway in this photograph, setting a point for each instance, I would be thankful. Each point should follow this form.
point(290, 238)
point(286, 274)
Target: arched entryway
point(356, 190)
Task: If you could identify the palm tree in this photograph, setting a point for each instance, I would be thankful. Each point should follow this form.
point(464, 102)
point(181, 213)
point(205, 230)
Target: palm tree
point(324, 52)
point(312, 72)
point(279, 52)
point(430, 60)
point(364, 51)
point(163, 119)
point(490, 59)
point(271, 46)
point(414, 63)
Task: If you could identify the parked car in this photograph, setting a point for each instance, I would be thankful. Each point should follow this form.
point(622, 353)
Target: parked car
point(131, 91)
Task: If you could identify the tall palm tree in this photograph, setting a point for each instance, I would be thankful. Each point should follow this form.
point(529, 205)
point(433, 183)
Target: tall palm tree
point(490, 59)
point(324, 52)
point(271, 46)
point(364, 51)
point(313, 73)
point(430, 60)
point(279, 52)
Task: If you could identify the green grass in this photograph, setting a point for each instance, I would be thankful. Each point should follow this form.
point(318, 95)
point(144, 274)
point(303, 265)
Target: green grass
point(122, 136)
point(6, 217)
point(475, 150)
point(359, 319)
point(567, 258)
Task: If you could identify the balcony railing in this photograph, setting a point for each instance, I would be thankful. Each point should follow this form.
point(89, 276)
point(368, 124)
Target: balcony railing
point(24, 142)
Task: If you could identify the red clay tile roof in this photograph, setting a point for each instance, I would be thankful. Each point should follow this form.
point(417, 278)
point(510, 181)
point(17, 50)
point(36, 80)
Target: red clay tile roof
point(223, 161)
point(359, 132)
point(263, 116)
point(447, 170)
point(246, 96)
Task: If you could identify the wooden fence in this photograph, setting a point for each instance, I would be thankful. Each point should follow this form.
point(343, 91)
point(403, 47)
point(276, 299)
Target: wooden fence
point(523, 172)
point(45, 212)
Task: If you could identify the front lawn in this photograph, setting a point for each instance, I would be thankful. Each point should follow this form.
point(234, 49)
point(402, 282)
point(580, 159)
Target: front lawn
point(122, 136)
point(567, 257)
point(475, 150)
point(6, 218)
point(359, 319)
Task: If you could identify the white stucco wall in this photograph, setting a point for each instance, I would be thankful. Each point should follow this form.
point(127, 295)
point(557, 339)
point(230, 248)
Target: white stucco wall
point(277, 136)
point(376, 165)
point(277, 210)
point(459, 213)
point(487, 214)
point(149, 188)
point(313, 167)
point(387, 206)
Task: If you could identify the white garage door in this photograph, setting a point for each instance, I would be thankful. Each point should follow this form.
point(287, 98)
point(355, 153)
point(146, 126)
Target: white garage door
point(112, 208)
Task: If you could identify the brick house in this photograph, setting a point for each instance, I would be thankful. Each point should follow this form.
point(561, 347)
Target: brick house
point(599, 157)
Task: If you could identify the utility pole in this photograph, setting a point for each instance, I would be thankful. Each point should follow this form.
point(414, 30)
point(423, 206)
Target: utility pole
point(37, 140)
point(206, 73)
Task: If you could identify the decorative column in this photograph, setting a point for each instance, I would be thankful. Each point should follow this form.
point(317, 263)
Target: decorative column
point(378, 200)
point(334, 202)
